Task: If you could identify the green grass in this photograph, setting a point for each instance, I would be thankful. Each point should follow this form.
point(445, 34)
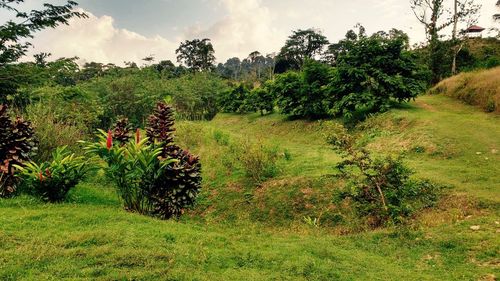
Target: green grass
point(246, 231)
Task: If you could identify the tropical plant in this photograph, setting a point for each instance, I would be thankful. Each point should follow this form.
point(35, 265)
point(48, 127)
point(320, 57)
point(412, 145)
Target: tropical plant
point(135, 167)
point(122, 131)
point(153, 175)
point(51, 181)
point(182, 178)
point(16, 145)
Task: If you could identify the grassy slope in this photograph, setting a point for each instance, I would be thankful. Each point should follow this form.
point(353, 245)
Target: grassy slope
point(480, 88)
point(91, 237)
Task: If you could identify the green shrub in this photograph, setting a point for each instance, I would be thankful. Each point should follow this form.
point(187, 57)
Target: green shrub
point(181, 181)
point(305, 93)
point(51, 181)
point(135, 167)
point(258, 160)
point(260, 99)
point(16, 145)
point(381, 190)
point(153, 175)
point(51, 132)
point(234, 99)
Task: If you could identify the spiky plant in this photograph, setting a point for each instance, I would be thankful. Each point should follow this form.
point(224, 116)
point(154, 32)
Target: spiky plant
point(179, 185)
point(161, 125)
point(181, 181)
point(17, 141)
point(122, 131)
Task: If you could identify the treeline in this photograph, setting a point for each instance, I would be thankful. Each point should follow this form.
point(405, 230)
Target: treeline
point(366, 74)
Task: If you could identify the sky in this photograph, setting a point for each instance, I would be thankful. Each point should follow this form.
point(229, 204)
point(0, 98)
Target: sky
point(129, 30)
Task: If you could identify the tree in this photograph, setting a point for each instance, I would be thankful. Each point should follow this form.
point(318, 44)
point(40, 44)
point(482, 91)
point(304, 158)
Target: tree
point(373, 71)
point(469, 18)
point(231, 69)
point(41, 59)
point(440, 18)
point(196, 54)
point(15, 33)
point(233, 100)
point(305, 93)
point(302, 45)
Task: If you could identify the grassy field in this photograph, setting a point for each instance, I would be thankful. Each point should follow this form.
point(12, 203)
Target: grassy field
point(243, 230)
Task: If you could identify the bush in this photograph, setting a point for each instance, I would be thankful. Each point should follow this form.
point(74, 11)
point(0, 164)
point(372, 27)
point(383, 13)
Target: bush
point(136, 168)
point(154, 176)
point(233, 100)
point(181, 181)
point(51, 132)
point(305, 93)
point(122, 131)
point(380, 189)
point(260, 99)
point(258, 161)
point(372, 72)
point(16, 145)
point(51, 181)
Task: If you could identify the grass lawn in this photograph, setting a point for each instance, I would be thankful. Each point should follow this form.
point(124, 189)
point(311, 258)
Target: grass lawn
point(243, 232)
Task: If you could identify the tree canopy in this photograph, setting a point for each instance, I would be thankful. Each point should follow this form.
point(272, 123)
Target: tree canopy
point(196, 54)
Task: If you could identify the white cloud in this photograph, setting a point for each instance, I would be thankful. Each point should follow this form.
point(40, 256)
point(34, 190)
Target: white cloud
point(97, 39)
point(247, 27)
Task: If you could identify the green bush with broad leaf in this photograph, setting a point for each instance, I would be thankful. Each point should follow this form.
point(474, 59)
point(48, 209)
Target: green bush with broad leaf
point(52, 180)
point(153, 175)
point(136, 167)
point(380, 189)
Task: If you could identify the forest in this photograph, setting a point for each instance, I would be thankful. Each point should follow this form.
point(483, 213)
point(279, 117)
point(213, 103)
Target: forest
point(364, 158)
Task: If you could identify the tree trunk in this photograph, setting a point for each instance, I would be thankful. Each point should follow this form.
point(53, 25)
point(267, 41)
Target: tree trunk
point(455, 20)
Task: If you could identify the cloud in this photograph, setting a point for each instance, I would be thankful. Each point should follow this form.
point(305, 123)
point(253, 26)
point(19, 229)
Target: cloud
point(97, 39)
point(247, 27)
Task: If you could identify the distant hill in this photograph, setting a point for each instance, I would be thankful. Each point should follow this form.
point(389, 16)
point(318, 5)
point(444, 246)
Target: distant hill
point(480, 88)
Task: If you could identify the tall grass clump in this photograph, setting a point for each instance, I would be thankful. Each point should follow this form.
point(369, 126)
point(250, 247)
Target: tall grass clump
point(53, 132)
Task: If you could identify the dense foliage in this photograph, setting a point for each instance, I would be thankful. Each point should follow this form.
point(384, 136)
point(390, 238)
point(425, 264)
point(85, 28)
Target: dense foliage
point(234, 99)
point(372, 72)
point(153, 175)
point(181, 181)
point(17, 142)
point(51, 181)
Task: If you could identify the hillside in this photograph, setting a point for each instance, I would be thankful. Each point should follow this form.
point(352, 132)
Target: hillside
point(243, 231)
point(479, 88)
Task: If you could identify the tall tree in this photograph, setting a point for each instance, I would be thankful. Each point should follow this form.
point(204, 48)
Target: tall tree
point(435, 17)
point(302, 45)
point(463, 11)
point(16, 32)
point(196, 54)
